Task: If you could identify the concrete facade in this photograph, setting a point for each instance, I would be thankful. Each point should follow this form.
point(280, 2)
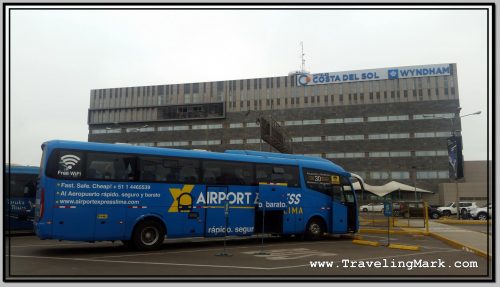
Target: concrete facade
point(473, 187)
point(381, 129)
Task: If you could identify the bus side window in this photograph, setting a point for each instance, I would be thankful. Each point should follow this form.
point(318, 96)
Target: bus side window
point(189, 170)
point(110, 166)
point(65, 164)
point(337, 193)
point(278, 174)
point(227, 172)
point(348, 193)
point(263, 173)
point(153, 169)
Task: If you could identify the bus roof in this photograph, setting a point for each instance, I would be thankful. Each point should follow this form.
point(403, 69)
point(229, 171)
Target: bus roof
point(21, 169)
point(244, 156)
point(276, 155)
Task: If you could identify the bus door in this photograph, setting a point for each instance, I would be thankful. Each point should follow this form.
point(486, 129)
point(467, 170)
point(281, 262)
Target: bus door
point(215, 217)
point(231, 206)
point(339, 211)
point(343, 207)
point(272, 203)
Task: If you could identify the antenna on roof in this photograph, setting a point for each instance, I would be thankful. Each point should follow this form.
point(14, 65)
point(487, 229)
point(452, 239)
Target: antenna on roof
point(302, 63)
point(303, 67)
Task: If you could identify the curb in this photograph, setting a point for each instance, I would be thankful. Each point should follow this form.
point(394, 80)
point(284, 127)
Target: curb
point(381, 231)
point(366, 242)
point(404, 247)
point(464, 222)
point(446, 240)
point(459, 245)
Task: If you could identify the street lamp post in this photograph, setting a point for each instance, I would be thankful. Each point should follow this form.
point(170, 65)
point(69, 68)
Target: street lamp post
point(456, 133)
point(415, 182)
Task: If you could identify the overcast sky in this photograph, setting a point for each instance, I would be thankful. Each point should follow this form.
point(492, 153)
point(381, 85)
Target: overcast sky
point(57, 57)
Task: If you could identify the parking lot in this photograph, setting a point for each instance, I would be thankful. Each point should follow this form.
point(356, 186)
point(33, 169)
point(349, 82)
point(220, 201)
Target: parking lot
point(31, 258)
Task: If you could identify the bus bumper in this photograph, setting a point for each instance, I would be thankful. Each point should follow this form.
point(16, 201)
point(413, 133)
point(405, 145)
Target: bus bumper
point(43, 230)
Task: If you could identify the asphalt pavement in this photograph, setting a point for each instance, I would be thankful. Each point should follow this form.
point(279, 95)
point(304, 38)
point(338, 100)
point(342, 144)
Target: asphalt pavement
point(334, 258)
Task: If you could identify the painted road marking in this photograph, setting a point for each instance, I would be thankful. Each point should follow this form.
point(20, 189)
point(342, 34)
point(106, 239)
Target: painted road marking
point(289, 254)
point(156, 263)
point(220, 266)
point(201, 250)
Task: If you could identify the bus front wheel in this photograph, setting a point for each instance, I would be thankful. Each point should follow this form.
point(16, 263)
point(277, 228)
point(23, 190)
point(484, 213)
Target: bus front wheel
point(315, 229)
point(148, 235)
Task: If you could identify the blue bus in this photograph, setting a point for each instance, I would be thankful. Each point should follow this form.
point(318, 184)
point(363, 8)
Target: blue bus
point(95, 192)
point(19, 197)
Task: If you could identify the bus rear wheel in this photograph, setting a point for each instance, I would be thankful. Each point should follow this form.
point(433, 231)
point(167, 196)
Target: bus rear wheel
point(148, 235)
point(315, 229)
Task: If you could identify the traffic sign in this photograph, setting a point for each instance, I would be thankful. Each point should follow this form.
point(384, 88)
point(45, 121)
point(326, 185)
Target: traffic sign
point(388, 208)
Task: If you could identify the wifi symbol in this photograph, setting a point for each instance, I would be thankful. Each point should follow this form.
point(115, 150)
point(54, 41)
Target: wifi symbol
point(70, 160)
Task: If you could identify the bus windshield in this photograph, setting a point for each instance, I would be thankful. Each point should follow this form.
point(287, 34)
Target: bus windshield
point(20, 196)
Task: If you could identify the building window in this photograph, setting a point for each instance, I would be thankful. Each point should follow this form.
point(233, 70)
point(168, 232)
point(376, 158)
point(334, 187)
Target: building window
point(353, 120)
point(334, 121)
point(214, 142)
point(426, 153)
point(293, 123)
point(313, 154)
point(433, 116)
point(199, 127)
point(398, 118)
point(379, 175)
point(432, 134)
point(377, 119)
point(180, 143)
point(164, 129)
point(236, 141)
point(354, 154)
point(181, 128)
point(199, 142)
point(345, 155)
point(251, 125)
point(443, 134)
point(399, 136)
point(354, 137)
point(399, 154)
point(312, 139)
point(400, 174)
point(235, 125)
point(252, 141)
point(378, 136)
point(335, 138)
point(335, 155)
point(360, 173)
point(311, 122)
point(433, 174)
point(215, 126)
point(297, 139)
point(160, 144)
point(378, 154)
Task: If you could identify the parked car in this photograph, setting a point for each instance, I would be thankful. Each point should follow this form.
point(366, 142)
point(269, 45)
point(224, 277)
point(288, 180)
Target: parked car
point(481, 213)
point(451, 208)
point(416, 209)
point(378, 207)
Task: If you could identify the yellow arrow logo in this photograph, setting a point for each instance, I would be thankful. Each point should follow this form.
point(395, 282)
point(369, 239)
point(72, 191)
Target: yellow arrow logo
point(176, 192)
